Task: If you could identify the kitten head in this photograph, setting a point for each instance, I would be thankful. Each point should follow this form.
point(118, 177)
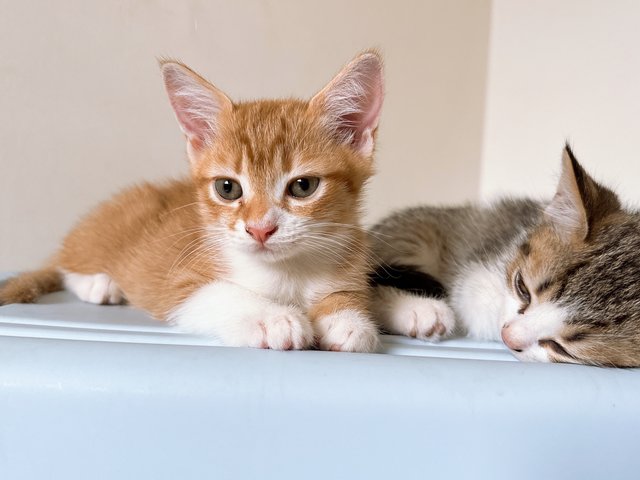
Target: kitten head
point(575, 280)
point(276, 178)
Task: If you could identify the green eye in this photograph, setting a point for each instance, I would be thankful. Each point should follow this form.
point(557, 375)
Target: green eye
point(303, 187)
point(227, 189)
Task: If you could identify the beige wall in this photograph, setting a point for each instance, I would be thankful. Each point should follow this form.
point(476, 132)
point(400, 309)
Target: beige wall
point(561, 70)
point(84, 113)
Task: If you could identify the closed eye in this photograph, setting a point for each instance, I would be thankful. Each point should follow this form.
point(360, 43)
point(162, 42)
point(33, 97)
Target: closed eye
point(555, 347)
point(522, 291)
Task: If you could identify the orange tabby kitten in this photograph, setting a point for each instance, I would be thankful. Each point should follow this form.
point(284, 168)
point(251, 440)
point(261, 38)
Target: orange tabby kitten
point(262, 245)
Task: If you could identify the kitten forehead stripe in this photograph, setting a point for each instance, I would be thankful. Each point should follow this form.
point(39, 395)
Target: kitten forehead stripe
point(544, 286)
point(566, 277)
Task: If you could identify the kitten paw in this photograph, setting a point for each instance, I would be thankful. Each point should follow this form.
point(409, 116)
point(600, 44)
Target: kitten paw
point(281, 328)
point(98, 288)
point(347, 331)
point(418, 317)
point(239, 318)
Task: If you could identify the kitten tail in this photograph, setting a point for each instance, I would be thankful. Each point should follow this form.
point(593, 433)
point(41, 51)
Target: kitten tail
point(29, 286)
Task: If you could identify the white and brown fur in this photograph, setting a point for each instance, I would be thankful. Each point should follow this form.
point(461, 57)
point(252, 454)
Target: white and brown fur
point(267, 270)
point(557, 281)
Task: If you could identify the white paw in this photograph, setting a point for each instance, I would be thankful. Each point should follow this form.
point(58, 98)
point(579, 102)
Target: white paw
point(418, 317)
point(97, 288)
point(347, 331)
point(279, 328)
point(240, 318)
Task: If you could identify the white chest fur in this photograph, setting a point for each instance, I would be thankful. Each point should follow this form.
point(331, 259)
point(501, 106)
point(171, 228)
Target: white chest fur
point(298, 282)
point(481, 299)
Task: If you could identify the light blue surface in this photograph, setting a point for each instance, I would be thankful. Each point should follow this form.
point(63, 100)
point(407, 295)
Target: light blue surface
point(105, 392)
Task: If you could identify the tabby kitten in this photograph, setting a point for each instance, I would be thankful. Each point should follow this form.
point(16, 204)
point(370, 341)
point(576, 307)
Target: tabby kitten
point(252, 247)
point(557, 281)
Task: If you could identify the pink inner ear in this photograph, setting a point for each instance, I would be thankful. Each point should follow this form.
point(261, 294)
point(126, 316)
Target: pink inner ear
point(194, 127)
point(195, 103)
point(370, 105)
point(354, 99)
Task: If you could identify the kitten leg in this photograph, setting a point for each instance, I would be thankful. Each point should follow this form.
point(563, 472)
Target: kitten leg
point(239, 317)
point(96, 288)
point(403, 313)
point(342, 323)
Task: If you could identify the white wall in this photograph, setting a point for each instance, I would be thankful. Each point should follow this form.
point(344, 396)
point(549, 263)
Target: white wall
point(84, 113)
point(561, 70)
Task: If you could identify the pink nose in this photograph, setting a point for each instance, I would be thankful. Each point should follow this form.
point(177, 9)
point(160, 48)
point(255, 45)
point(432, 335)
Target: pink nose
point(515, 342)
point(261, 234)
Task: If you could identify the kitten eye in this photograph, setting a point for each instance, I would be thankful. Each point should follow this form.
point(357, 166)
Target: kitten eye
point(303, 187)
point(227, 189)
point(521, 289)
point(555, 346)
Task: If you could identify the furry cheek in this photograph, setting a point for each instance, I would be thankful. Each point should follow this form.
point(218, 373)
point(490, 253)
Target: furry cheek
point(482, 300)
point(534, 354)
point(511, 309)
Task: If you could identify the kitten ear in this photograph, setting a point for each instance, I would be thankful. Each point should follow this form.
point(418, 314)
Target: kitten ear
point(196, 103)
point(350, 104)
point(580, 202)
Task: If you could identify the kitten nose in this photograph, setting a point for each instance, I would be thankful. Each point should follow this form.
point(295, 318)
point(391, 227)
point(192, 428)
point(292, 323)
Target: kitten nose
point(261, 234)
point(513, 341)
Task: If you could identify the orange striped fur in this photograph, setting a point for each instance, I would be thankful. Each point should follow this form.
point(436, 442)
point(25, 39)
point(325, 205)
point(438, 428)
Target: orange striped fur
point(160, 246)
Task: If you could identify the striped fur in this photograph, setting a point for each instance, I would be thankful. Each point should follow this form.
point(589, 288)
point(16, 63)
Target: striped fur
point(557, 281)
point(267, 269)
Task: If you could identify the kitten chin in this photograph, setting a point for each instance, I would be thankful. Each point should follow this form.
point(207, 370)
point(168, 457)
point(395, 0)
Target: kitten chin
point(261, 246)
